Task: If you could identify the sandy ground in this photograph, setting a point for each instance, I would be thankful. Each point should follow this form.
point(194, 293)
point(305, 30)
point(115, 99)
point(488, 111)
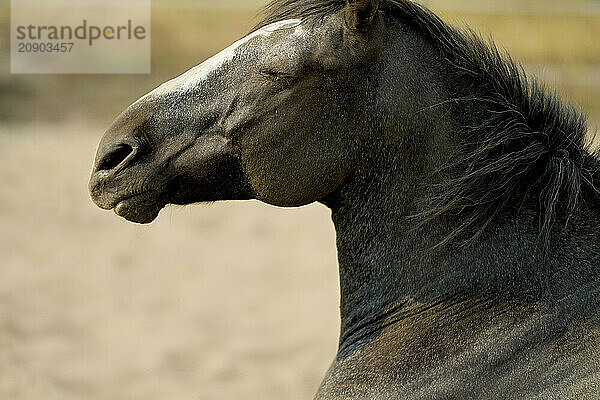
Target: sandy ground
point(228, 301)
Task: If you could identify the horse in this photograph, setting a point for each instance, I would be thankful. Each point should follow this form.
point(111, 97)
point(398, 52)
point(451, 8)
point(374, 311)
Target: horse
point(463, 192)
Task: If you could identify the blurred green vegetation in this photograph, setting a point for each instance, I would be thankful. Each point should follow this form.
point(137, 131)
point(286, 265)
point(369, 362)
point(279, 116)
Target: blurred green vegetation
point(561, 50)
point(558, 43)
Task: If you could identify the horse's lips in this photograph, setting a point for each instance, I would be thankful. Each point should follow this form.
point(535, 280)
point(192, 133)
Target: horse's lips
point(121, 207)
point(137, 208)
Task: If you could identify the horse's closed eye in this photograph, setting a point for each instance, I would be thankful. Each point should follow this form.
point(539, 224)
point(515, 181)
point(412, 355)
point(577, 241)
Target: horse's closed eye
point(279, 77)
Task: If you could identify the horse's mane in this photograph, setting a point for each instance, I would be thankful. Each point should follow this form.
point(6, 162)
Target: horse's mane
point(531, 145)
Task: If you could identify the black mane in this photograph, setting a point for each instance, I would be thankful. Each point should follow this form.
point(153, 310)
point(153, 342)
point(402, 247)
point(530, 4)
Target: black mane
point(531, 145)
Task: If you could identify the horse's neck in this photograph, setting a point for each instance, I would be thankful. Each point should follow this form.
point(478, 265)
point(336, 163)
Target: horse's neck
point(386, 262)
point(387, 265)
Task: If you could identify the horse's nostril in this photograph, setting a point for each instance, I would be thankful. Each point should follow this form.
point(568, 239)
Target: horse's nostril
point(115, 157)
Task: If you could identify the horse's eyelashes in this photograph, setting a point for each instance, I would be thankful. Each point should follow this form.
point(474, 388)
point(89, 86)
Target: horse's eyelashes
point(279, 77)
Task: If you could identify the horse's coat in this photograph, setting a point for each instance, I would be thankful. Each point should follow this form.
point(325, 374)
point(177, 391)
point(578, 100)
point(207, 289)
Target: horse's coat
point(464, 199)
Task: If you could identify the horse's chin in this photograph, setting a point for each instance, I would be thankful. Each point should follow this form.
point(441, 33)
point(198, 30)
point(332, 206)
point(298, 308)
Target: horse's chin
point(140, 209)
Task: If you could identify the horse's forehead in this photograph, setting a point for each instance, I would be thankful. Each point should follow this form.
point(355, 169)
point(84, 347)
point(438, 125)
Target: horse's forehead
point(203, 70)
point(196, 75)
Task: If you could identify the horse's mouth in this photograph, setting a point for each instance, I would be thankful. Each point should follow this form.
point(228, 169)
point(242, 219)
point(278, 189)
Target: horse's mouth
point(141, 208)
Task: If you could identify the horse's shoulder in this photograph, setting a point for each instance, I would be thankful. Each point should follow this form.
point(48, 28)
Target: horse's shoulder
point(521, 352)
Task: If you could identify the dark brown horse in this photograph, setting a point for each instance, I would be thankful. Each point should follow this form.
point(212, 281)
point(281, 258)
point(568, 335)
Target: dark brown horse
point(463, 196)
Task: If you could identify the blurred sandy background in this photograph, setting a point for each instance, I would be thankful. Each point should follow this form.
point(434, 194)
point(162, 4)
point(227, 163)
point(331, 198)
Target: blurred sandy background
point(227, 301)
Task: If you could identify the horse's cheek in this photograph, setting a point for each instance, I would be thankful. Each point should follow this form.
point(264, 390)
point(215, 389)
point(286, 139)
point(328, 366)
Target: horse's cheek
point(289, 182)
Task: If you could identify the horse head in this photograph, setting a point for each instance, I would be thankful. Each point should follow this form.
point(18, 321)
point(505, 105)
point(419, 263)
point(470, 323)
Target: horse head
point(269, 117)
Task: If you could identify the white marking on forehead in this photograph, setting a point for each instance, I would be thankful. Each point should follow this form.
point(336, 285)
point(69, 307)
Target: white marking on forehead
point(190, 79)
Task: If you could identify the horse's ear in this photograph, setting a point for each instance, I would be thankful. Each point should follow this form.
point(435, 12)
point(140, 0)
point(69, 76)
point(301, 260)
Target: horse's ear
point(360, 14)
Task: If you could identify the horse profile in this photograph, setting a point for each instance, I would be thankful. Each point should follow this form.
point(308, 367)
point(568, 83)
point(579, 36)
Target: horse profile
point(463, 194)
